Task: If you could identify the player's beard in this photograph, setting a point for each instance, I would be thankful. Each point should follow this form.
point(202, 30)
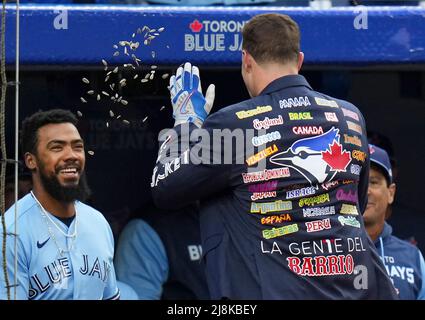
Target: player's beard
point(62, 193)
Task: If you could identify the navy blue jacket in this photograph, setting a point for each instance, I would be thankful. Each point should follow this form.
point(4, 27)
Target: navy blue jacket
point(282, 219)
point(404, 263)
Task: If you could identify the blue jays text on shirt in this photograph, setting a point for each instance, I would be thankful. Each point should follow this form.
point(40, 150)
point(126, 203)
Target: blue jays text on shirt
point(56, 273)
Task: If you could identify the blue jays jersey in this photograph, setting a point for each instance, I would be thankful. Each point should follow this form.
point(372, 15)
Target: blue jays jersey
point(52, 266)
point(281, 216)
point(404, 264)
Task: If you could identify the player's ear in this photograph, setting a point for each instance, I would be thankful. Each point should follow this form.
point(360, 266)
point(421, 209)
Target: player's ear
point(30, 161)
point(300, 60)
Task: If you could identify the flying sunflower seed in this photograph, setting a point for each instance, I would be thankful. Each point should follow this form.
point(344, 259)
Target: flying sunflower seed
point(156, 34)
point(136, 76)
point(134, 45)
point(85, 80)
point(107, 124)
point(107, 78)
point(115, 70)
point(161, 29)
point(167, 46)
point(119, 99)
point(111, 113)
point(115, 46)
point(126, 121)
point(165, 76)
point(151, 76)
point(116, 96)
point(154, 67)
point(124, 102)
point(90, 152)
point(147, 75)
point(146, 118)
point(83, 100)
point(133, 35)
point(144, 80)
point(146, 42)
point(90, 92)
point(125, 51)
point(112, 86)
point(153, 54)
point(139, 31)
point(123, 80)
point(162, 108)
point(119, 116)
point(79, 113)
point(105, 93)
point(123, 43)
point(116, 53)
point(104, 62)
point(152, 30)
point(98, 97)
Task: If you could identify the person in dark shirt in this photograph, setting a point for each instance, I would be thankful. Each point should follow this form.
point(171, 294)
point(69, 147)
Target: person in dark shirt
point(282, 178)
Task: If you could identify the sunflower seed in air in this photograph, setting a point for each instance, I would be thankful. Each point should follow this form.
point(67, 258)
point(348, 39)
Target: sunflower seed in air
point(107, 78)
point(124, 102)
point(111, 113)
point(154, 67)
point(136, 76)
point(90, 152)
point(144, 80)
point(151, 76)
point(161, 29)
point(146, 118)
point(125, 51)
point(165, 76)
point(98, 97)
point(105, 93)
point(123, 80)
point(83, 100)
point(153, 54)
point(162, 108)
point(115, 70)
point(126, 121)
point(119, 116)
point(79, 113)
point(115, 46)
point(90, 92)
point(107, 124)
point(104, 62)
point(85, 80)
point(116, 53)
point(133, 35)
point(112, 86)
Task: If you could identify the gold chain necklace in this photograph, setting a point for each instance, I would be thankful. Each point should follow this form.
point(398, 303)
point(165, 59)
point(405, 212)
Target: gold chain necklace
point(46, 216)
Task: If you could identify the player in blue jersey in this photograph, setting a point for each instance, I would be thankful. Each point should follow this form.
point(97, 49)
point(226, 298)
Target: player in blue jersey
point(403, 261)
point(65, 248)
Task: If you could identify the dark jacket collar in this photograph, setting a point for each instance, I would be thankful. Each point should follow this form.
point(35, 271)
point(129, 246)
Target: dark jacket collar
point(294, 80)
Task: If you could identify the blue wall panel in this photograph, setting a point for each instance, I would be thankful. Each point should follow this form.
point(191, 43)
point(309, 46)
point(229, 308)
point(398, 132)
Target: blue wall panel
point(393, 34)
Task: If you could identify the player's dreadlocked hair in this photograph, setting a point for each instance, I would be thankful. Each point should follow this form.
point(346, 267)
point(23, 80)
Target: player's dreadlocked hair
point(30, 126)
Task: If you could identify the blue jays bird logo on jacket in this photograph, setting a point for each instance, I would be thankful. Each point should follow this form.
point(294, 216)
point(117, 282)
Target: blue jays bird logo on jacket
point(317, 158)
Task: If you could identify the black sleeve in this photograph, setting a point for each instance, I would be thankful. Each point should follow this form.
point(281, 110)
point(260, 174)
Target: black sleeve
point(188, 168)
point(364, 175)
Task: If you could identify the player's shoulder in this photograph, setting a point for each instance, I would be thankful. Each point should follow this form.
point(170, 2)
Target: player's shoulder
point(89, 212)
point(25, 208)
point(403, 244)
point(227, 116)
point(325, 100)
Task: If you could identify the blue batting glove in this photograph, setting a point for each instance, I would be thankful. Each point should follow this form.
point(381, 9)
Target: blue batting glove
point(189, 104)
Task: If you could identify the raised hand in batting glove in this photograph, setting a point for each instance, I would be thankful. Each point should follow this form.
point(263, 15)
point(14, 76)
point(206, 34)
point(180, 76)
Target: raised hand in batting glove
point(189, 104)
